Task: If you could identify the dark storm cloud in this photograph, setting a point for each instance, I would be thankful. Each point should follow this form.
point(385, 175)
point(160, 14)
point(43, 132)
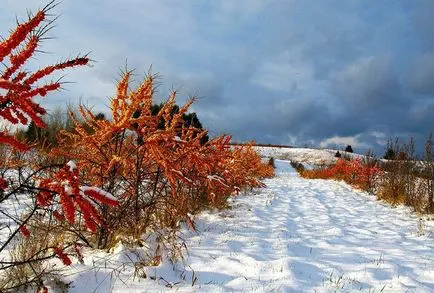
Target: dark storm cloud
point(423, 74)
point(368, 83)
point(317, 72)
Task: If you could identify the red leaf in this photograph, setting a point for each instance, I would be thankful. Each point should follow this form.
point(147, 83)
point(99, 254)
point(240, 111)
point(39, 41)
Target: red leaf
point(62, 256)
point(24, 231)
point(3, 184)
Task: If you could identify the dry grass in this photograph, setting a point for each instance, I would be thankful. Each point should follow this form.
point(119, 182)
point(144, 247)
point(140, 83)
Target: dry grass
point(409, 180)
point(27, 267)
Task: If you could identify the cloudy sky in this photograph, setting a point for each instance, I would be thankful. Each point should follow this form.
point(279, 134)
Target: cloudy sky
point(315, 72)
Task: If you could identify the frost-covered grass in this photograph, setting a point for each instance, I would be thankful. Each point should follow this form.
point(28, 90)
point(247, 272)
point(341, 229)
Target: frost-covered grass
point(296, 235)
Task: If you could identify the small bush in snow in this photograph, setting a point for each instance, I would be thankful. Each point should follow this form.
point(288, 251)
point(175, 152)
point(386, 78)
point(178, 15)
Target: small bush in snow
point(390, 154)
point(271, 162)
point(297, 166)
point(349, 149)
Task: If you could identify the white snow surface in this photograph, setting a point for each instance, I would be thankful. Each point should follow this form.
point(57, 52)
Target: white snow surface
point(296, 235)
point(304, 155)
point(72, 166)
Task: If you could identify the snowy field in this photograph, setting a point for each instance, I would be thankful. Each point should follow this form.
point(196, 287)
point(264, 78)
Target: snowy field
point(304, 155)
point(296, 235)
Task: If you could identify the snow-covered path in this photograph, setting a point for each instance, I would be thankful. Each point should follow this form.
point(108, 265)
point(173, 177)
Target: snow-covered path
point(301, 235)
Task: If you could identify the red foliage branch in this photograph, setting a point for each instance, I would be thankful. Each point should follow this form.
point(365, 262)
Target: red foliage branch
point(16, 104)
point(18, 88)
point(3, 184)
point(65, 183)
point(62, 255)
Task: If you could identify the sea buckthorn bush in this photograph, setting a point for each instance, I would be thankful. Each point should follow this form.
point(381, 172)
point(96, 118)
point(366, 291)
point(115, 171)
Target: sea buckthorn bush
point(355, 172)
point(105, 180)
point(160, 173)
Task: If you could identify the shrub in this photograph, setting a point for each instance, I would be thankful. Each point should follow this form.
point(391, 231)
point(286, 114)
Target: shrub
point(160, 172)
point(156, 163)
point(349, 149)
point(25, 179)
point(338, 154)
point(297, 166)
point(403, 180)
point(427, 174)
point(354, 172)
point(398, 174)
point(406, 180)
point(271, 163)
point(390, 154)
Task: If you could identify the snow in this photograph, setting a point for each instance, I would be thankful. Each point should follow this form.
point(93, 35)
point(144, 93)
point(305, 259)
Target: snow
point(216, 178)
point(72, 166)
point(10, 210)
point(180, 174)
point(296, 235)
point(304, 155)
point(100, 191)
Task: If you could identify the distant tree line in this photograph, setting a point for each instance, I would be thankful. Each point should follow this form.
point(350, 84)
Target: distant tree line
point(60, 119)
